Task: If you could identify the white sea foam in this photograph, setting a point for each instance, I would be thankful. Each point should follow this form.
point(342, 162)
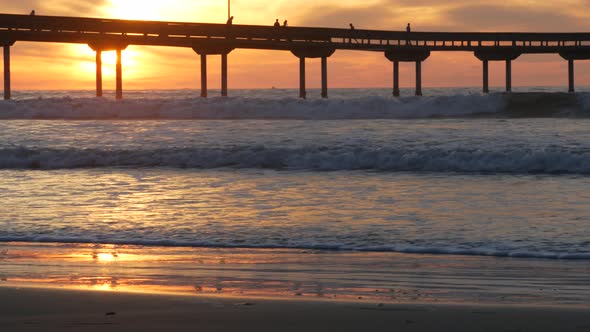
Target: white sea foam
point(447, 250)
point(252, 108)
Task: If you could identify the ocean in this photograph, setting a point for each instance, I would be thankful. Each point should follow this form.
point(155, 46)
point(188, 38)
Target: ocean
point(455, 196)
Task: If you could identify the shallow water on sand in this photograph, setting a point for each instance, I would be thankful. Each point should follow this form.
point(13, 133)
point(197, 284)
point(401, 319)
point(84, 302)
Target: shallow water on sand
point(306, 274)
point(499, 215)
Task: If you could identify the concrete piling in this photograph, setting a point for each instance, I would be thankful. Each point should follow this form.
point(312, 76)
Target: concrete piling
point(508, 75)
point(396, 78)
point(119, 70)
point(224, 75)
point(570, 71)
point(486, 87)
point(204, 75)
point(7, 92)
point(324, 77)
point(418, 78)
point(302, 93)
point(99, 73)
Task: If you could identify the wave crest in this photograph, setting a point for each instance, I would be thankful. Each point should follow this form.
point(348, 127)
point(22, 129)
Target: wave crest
point(516, 160)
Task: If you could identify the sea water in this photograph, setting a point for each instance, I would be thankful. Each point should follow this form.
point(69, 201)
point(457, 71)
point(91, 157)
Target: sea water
point(455, 173)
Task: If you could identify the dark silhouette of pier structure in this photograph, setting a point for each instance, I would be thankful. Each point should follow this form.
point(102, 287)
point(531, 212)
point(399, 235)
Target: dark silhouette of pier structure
point(303, 42)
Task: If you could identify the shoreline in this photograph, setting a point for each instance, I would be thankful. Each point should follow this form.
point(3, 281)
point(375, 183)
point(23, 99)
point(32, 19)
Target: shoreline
point(371, 277)
point(28, 309)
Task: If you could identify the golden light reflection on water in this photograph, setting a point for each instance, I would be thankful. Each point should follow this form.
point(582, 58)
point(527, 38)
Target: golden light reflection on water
point(209, 272)
point(350, 276)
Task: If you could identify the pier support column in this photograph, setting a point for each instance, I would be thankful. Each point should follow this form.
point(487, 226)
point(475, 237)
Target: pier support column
point(119, 85)
point(508, 75)
point(396, 78)
point(486, 88)
point(204, 75)
point(7, 94)
point(99, 73)
point(507, 55)
point(302, 93)
point(418, 78)
point(570, 71)
point(407, 55)
point(224, 75)
point(204, 49)
point(324, 77)
point(313, 52)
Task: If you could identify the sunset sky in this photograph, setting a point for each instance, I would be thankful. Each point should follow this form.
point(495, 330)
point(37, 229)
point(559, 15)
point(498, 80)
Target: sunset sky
point(63, 66)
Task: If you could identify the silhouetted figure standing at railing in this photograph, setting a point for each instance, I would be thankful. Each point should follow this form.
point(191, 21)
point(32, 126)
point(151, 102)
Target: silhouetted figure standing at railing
point(277, 26)
point(229, 23)
point(352, 32)
point(408, 30)
point(32, 12)
point(286, 32)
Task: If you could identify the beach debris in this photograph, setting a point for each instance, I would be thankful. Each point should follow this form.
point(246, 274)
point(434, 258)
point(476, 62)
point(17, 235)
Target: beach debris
point(110, 313)
point(244, 304)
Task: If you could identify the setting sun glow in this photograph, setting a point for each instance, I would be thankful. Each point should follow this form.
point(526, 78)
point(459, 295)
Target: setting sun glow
point(105, 257)
point(171, 10)
point(138, 9)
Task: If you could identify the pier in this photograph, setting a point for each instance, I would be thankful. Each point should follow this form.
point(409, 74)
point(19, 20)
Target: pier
point(303, 42)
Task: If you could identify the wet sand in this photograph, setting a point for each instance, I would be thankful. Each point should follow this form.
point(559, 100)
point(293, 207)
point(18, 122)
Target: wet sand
point(37, 309)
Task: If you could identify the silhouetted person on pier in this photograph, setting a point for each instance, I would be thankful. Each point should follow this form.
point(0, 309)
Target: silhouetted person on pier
point(408, 30)
point(286, 33)
point(352, 29)
point(228, 24)
point(32, 12)
point(277, 26)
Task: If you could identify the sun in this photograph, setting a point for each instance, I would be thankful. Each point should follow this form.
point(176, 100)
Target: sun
point(169, 10)
point(137, 9)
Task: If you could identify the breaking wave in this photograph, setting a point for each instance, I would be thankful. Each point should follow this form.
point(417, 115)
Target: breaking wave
point(359, 107)
point(555, 160)
point(447, 250)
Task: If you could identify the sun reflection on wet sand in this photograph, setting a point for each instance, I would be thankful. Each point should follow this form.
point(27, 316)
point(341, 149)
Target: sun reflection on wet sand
point(383, 277)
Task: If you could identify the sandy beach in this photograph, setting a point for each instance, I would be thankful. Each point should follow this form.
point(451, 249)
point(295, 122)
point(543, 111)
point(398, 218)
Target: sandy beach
point(36, 309)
